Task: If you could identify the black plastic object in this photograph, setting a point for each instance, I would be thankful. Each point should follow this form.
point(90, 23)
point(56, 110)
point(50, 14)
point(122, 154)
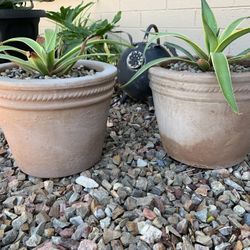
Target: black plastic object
point(19, 23)
point(131, 61)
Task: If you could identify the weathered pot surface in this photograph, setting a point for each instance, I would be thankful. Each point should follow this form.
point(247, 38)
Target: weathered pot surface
point(56, 127)
point(196, 124)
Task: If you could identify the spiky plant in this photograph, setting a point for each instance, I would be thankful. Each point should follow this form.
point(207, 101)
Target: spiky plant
point(214, 59)
point(42, 55)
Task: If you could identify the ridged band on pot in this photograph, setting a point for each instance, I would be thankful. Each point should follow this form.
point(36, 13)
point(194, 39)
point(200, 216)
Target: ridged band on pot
point(196, 124)
point(56, 127)
point(46, 94)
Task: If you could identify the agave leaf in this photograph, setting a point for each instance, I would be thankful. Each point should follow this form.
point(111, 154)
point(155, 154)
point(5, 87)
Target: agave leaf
point(50, 40)
point(72, 53)
point(210, 26)
point(224, 79)
point(69, 63)
point(244, 52)
point(20, 62)
point(153, 63)
point(50, 47)
point(239, 58)
point(181, 49)
point(10, 48)
point(198, 50)
point(36, 47)
point(37, 63)
point(50, 60)
point(227, 41)
point(90, 43)
point(231, 28)
point(208, 17)
point(210, 38)
point(106, 49)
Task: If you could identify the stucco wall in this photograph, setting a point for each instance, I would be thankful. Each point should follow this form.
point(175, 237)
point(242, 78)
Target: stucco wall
point(170, 15)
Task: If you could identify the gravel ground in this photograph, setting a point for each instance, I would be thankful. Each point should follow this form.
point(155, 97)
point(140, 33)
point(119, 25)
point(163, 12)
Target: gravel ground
point(135, 198)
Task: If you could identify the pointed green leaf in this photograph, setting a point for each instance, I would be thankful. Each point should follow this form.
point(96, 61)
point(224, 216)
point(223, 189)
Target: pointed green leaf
point(37, 63)
point(223, 75)
point(50, 45)
point(198, 50)
point(153, 63)
point(244, 52)
point(50, 40)
point(36, 47)
point(208, 17)
point(210, 38)
point(70, 62)
point(232, 28)
point(75, 50)
point(239, 59)
point(10, 48)
point(209, 26)
point(181, 49)
point(237, 34)
point(72, 53)
point(23, 64)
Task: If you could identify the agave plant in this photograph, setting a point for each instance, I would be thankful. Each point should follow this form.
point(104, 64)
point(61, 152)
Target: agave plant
point(214, 59)
point(19, 4)
point(42, 56)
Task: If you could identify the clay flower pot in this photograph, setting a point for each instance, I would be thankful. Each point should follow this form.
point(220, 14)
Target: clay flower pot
point(197, 126)
point(56, 127)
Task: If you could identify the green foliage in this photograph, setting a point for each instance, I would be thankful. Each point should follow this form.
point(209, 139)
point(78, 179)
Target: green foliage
point(212, 59)
point(76, 25)
point(19, 4)
point(42, 56)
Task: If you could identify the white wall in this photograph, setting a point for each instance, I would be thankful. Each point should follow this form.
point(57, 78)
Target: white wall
point(170, 15)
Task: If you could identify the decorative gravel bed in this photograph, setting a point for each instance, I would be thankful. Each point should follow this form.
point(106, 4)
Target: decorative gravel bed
point(19, 73)
point(136, 197)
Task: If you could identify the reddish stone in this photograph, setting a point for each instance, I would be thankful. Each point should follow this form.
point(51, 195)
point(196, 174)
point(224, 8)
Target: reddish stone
point(149, 214)
point(66, 233)
point(158, 203)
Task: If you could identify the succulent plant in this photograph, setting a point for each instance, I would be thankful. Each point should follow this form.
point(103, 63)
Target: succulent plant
point(214, 59)
point(42, 56)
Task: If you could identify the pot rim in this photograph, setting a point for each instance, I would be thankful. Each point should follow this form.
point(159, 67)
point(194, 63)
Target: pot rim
point(194, 77)
point(21, 13)
point(105, 72)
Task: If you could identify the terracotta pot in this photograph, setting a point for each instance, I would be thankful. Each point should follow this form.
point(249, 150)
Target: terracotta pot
point(197, 126)
point(56, 127)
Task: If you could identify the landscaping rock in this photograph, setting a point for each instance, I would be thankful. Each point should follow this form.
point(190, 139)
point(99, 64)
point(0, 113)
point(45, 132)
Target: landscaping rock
point(136, 197)
point(150, 234)
point(86, 182)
